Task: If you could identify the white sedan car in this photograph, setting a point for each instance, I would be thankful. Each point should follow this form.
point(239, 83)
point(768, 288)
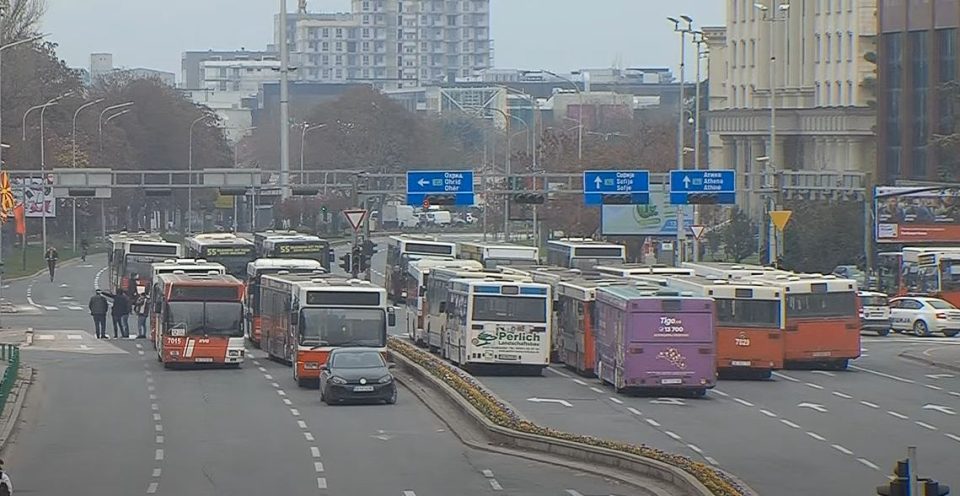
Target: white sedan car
point(924, 316)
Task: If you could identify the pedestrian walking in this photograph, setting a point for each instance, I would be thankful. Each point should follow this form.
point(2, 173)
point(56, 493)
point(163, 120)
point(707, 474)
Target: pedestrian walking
point(120, 313)
point(52, 257)
point(140, 307)
point(98, 309)
point(84, 247)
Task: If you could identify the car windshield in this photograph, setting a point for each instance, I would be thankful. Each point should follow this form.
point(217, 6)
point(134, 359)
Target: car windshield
point(343, 327)
point(206, 318)
point(941, 305)
point(357, 360)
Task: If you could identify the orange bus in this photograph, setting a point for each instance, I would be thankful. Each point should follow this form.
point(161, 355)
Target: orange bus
point(932, 271)
point(575, 335)
point(305, 316)
point(198, 319)
point(261, 267)
point(749, 323)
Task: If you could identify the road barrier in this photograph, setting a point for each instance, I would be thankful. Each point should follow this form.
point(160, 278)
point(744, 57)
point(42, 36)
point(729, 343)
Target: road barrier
point(9, 353)
point(506, 426)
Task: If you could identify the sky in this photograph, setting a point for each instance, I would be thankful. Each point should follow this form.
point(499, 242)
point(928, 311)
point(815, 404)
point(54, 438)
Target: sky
point(557, 35)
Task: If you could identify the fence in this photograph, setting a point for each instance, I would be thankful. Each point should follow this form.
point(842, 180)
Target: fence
point(9, 353)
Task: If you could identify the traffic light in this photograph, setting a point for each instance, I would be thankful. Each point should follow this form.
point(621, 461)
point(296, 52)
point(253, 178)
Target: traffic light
point(931, 487)
point(356, 257)
point(440, 200)
point(325, 212)
point(618, 199)
point(346, 262)
point(529, 198)
point(900, 484)
point(369, 248)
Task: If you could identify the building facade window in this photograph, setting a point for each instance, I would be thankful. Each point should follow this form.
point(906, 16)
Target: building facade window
point(828, 49)
point(920, 73)
point(947, 65)
point(816, 55)
point(849, 46)
point(753, 53)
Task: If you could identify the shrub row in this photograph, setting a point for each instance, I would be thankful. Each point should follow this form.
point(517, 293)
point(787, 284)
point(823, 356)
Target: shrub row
point(504, 416)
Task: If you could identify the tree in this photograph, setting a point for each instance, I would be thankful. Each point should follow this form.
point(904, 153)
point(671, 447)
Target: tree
point(948, 143)
point(822, 235)
point(20, 18)
point(738, 236)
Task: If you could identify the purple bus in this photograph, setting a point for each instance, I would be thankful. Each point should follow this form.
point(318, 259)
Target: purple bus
point(650, 340)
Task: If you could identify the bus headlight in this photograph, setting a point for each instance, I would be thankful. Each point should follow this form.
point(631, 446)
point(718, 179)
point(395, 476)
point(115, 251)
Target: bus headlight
point(311, 365)
point(385, 379)
point(338, 380)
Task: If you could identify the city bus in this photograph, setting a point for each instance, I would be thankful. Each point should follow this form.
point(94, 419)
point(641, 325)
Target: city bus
point(630, 270)
point(130, 268)
point(305, 316)
point(502, 325)
point(259, 237)
point(187, 266)
point(727, 270)
point(584, 253)
point(493, 255)
point(302, 246)
point(228, 249)
point(749, 324)
point(418, 275)
point(655, 341)
point(575, 321)
point(401, 250)
point(197, 319)
point(933, 272)
point(264, 266)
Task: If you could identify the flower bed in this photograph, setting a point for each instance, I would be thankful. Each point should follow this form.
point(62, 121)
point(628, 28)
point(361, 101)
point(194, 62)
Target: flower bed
point(501, 414)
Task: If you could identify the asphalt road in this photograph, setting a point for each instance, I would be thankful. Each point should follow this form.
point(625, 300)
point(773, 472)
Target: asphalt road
point(804, 432)
point(105, 418)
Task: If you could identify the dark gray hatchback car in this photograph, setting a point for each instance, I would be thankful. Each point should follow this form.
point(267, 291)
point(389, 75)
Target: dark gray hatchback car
point(357, 374)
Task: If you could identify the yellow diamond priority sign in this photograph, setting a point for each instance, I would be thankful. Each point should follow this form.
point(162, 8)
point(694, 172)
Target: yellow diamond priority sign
point(780, 218)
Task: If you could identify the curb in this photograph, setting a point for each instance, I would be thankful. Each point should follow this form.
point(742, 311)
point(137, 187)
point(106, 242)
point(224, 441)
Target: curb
point(563, 448)
point(927, 361)
point(22, 388)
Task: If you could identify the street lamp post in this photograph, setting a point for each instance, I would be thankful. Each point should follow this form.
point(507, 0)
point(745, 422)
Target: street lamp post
point(773, 14)
point(100, 121)
point(683, 30)
point(190, 169)
point(303, 135)
point(508, 164)
point(698, 40)
point(579, 112)
point(43, 176)
point(74, 141)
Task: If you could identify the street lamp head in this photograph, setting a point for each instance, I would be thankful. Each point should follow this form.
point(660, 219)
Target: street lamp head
point(762, 159)
point(785, 7)
point(687, 18)
point(761, 6)
point(675, 22)
point(690, 120)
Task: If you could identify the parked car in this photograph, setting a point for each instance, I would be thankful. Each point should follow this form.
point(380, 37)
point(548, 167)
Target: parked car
point(356, 374)
point(874, 312)
point(924, 316)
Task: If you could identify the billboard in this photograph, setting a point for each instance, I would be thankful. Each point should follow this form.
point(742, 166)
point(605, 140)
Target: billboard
point(917, 214)
point(35, 197)
point(658, 218)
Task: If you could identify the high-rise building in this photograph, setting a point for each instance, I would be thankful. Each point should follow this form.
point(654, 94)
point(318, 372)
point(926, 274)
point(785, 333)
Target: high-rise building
point(917, 57)
point(190, 63)
point(824, 78)
point(392, 43)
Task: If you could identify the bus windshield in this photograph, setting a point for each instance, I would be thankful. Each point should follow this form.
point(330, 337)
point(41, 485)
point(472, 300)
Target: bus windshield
point(822, 305)
point(235, 265)
point(510, 309)
point(206, 318)
point(343, 327)
point(748, 313)
point(141, 265)
point(950, 276)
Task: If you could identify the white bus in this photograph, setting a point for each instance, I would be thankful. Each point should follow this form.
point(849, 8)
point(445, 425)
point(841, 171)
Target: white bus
point(187, 266)
point(499, 324)
point(629, 270)
point(418, 275)
point(226, 248)
point(305, 316)
point(493, 255)
point(264, 266)
point(584, 253)
point(401, 250)
point(728, 270)
point(435, 300)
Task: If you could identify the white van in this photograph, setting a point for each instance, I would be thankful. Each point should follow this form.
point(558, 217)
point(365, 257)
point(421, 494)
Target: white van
point(874, 312)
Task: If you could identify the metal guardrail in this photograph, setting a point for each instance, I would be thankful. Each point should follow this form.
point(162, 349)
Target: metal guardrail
point(9, 353)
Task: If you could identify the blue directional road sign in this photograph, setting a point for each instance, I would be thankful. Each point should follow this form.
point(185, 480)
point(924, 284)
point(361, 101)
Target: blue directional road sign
point(597, 184)
point(700, 186)
point(424, 184)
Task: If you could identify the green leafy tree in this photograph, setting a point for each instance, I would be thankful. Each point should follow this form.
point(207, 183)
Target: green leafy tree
point(822, 235)
point(737, 236)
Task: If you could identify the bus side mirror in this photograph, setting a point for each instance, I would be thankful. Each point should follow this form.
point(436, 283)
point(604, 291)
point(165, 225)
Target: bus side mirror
point(391, 317)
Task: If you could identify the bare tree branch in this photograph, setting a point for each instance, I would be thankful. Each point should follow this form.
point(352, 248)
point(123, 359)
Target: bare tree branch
point(20, 18)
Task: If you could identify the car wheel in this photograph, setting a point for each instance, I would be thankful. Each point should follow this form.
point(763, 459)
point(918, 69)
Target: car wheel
point(883, 332)
point(951, 333)
point(920, 328)
point(392, 400)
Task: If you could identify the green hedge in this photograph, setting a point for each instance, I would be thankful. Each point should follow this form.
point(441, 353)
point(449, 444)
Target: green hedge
point(501, 414)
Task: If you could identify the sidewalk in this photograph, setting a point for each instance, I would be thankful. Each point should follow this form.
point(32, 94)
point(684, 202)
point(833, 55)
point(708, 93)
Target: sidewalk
point(945, 357)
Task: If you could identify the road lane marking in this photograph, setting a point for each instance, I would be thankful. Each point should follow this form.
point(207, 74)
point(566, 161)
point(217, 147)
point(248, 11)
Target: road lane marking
point(558, 372)
point(315, 452)
point(898, 415)
point(318, 467)
point(578, 381)
point(158, 454)
point(954, 393)
point(159, 439)
point(868, 463)
point(487, 473)
point(74, 336)
point(616, 400)
point(768, 413)
point(596, 390)
point(931, 386)
point(785, 376)
point(152, 488)
point(634, 411)
point(409, 493)
point(816, 436)
point(308, 436)
point(157, 472)
point(841, 449)
point(295, 412)
point(842, 395)
point(287, 402)
point(268, 377)
point(570, 492)
point(814, 386)
point(954, 437)
point(158, 428)
point(155, 407)
point(139, 352)
point(153, 397)
point(495, 485)
point(925, 425)
point(824, 372)
point(276, 385)
point(881, 374)
point(871, 405)
point(261, 369)
point(743, 402)
point(156, 417)
point(789, 423)
point(721, 393)
point(652, 422)
point(711, 461)
point(281, 392)
point(321, 482)
point(301, 424)
point(695, 448)
point(674, 435)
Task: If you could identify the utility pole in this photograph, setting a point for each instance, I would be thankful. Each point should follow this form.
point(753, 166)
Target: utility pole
point(681, 122)
point(284, 105)
point(698, 40)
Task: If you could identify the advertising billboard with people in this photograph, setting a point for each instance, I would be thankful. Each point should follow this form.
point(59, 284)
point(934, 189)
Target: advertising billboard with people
point(917, 214)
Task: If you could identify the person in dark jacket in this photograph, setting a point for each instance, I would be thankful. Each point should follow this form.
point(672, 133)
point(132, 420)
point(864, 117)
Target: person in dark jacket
point(98, 309)
point(120, 313)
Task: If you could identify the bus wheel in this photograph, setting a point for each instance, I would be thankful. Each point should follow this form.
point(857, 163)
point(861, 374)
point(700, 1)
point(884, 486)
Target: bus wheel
point(699, 393)
point(883, 332)
point(301, 382)
point(841, 364)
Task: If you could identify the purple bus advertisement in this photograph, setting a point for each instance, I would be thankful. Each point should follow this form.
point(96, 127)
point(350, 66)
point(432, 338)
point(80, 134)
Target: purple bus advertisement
point(651, 341)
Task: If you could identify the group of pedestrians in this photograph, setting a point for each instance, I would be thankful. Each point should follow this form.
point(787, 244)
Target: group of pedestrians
point(120, 311)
